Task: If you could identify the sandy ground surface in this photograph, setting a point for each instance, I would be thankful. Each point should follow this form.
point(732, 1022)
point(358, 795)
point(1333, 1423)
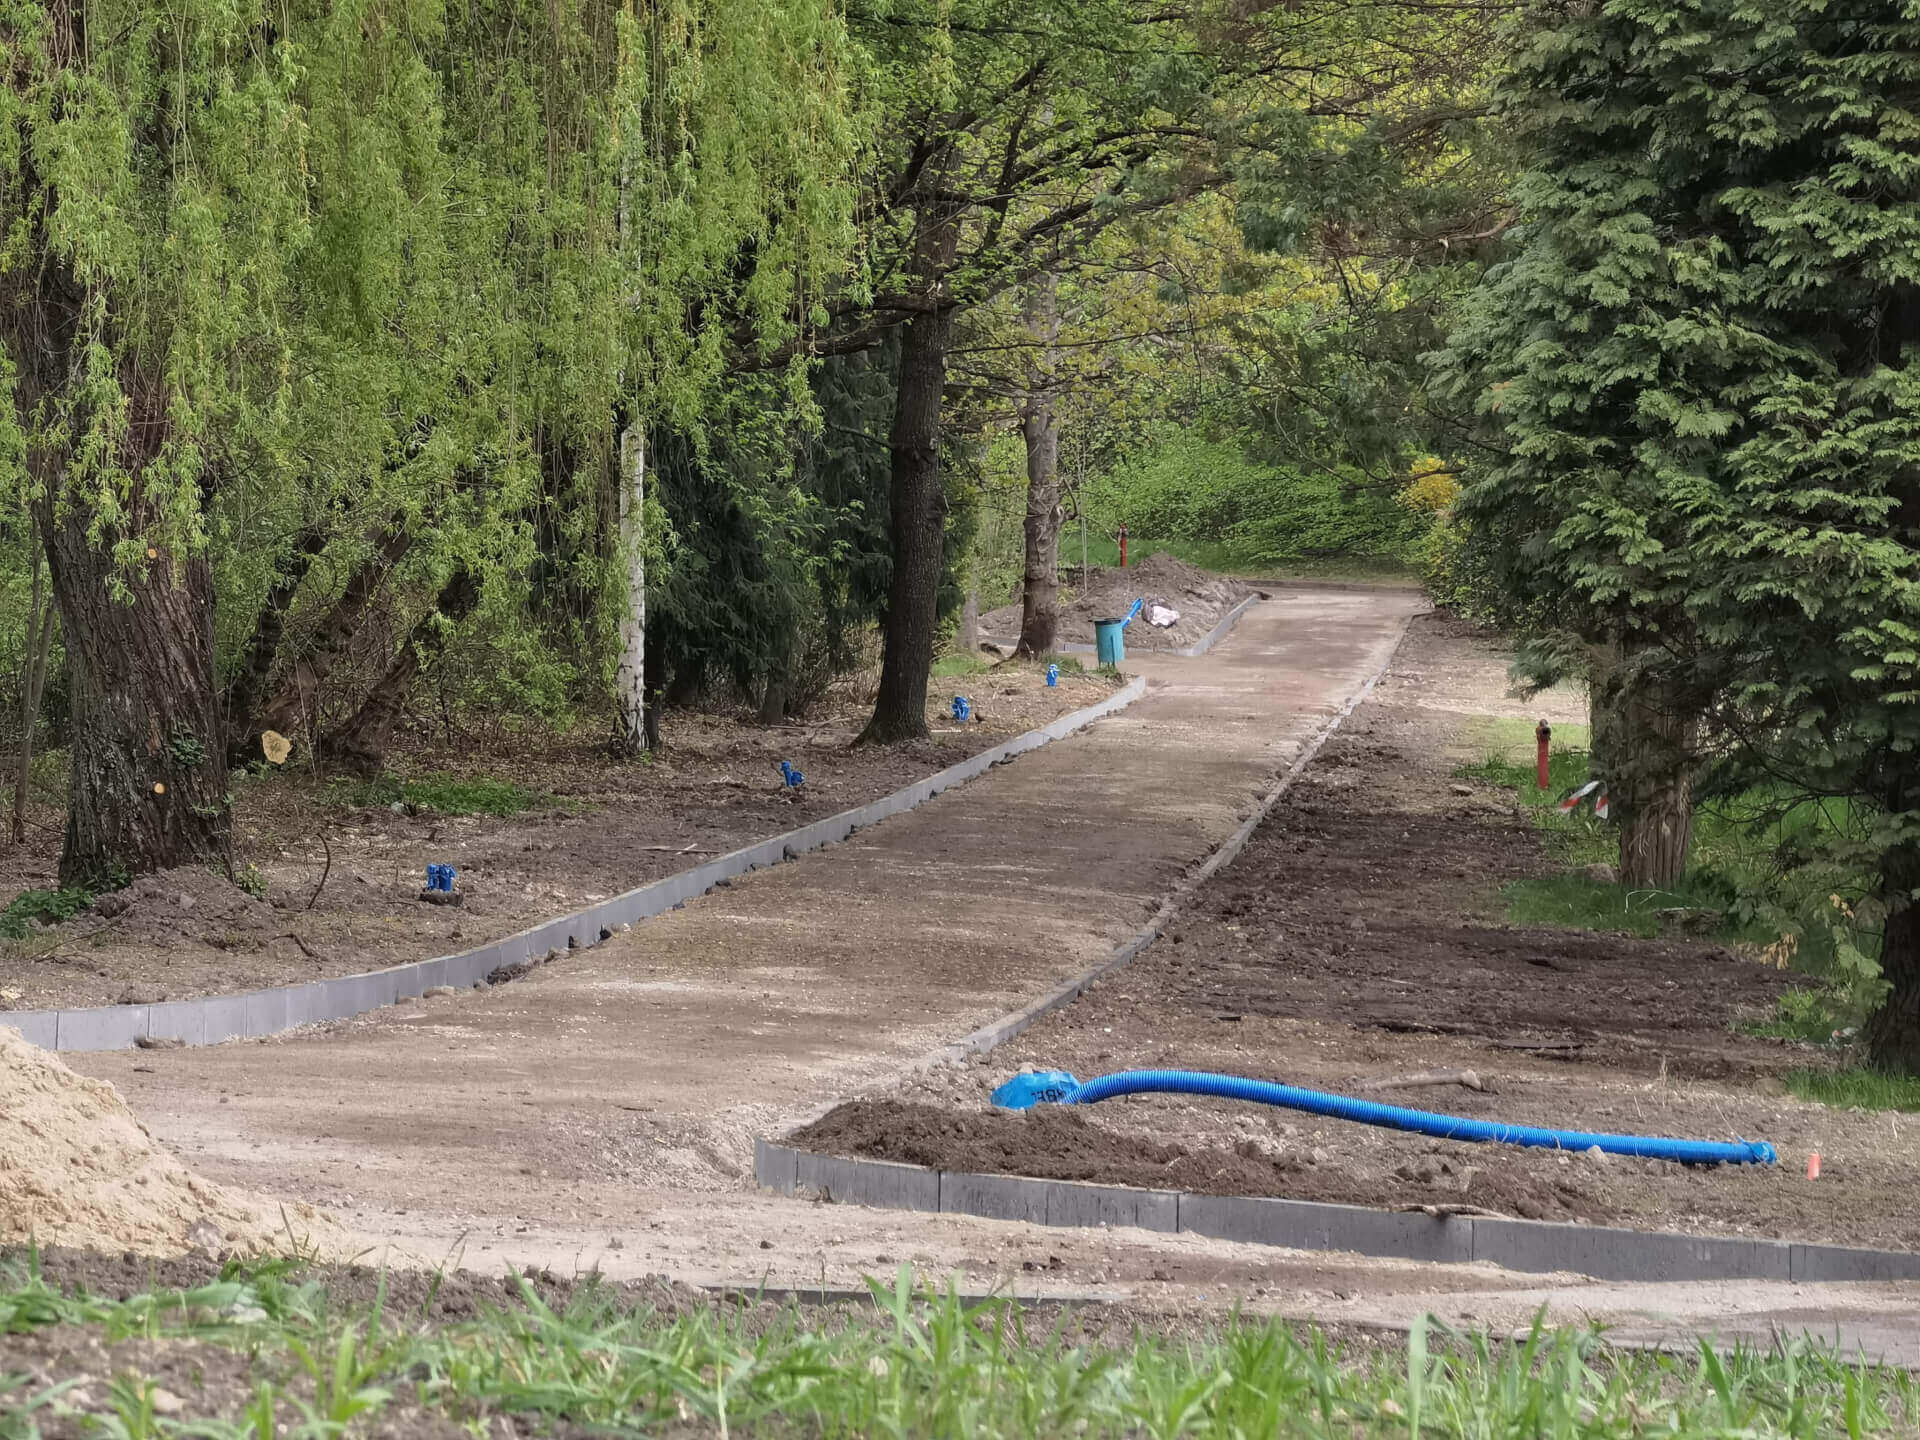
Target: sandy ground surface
point(340, 874)
point(601, 1113)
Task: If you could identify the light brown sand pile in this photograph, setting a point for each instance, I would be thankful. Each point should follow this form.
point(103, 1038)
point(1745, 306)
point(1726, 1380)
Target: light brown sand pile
point(77, 1169)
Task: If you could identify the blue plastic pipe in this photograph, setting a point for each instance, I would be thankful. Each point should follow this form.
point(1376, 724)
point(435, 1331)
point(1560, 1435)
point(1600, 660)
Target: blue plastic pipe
point(1054, 1086)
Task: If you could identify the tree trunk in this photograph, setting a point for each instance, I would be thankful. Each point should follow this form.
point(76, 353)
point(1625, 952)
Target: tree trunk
point(1649, 729)
point(263, 648)
point(149, 769)
point(654, 663)
point(970, 623)
point(292, 710)
point(147, 784)
point(773, 700)
point(630, 684)
point(361, 744)
point(1040, 592)
point(918, 502)
point(1892, 1032)
point(32, 686)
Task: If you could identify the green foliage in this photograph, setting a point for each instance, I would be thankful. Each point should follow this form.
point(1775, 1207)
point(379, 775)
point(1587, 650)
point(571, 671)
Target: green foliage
point(1699, 370)
point(1855, 1089)
point(951, 665)
point(1811, 1017)
point(252, 881)
point(1186, 488)
point(924, 1362)
point(442, 794)
point(49, 907)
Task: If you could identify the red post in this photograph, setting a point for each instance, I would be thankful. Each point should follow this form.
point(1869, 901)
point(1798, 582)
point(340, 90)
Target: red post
point(1543, 734)
point(1123, 547)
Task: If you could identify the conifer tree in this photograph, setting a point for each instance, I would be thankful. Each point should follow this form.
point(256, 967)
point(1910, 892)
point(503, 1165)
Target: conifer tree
point(1704, 365)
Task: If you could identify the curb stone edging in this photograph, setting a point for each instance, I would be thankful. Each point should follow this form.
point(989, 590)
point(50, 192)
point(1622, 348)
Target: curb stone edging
point(209, 1020)
point(1527, 1246)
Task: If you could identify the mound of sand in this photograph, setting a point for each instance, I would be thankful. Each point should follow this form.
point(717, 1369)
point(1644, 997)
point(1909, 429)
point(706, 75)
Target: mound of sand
point(1200, 597)
point(76, 1169)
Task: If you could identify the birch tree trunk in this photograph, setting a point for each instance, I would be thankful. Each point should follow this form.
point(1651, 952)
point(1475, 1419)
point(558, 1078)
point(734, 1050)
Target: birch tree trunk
point(630, 684)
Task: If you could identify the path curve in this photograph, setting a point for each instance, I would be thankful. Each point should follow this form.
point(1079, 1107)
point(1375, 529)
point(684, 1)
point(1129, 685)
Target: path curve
point(596, 1088)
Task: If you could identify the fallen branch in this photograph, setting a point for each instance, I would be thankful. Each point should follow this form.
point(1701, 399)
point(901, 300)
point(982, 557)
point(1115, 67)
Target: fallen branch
point(1467, 1078)
point(325, 871)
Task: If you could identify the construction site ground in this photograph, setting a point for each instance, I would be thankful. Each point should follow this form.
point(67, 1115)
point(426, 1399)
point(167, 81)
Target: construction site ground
point(600, 1114)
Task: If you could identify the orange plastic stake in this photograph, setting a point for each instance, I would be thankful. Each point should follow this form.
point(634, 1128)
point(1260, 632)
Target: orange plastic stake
point(1544, 735)
point(1813, 1166)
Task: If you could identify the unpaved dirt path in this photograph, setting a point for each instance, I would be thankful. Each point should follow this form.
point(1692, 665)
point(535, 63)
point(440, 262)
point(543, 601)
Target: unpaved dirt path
point(600, 1113)
point(591, 1091)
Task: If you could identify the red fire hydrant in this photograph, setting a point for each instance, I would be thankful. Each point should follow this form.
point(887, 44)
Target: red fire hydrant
point(1123, 547)
point(1543, 734)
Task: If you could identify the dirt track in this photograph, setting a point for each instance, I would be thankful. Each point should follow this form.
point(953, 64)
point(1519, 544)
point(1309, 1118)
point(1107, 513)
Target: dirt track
point(341, 883)
point(601, 1113)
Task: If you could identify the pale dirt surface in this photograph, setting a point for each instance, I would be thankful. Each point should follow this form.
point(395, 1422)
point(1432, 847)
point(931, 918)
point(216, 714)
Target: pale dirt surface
point(76, 1168)
point(601, 1112)
point(598, 826)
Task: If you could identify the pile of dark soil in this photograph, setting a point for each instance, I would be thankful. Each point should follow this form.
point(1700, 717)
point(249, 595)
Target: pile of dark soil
point(1200, 598)
point(1052, 1143)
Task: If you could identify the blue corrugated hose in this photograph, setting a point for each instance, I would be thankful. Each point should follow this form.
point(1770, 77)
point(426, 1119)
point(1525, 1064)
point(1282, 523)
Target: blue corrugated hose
point(1022, 1091)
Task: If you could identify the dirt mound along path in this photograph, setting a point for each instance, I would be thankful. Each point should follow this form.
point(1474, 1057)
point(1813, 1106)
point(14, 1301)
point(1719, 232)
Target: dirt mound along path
point(1202, 600)
point(77, 1169)
point(1053, 1143)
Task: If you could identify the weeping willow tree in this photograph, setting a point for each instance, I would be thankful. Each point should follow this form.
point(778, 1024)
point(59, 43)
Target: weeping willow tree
point(150, 176)
point(380, 282)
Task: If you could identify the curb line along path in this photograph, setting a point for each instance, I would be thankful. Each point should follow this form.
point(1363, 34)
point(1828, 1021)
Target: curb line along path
point(256, 1014)
point(543, 1119)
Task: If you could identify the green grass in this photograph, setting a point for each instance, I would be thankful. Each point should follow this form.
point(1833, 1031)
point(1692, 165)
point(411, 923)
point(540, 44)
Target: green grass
point(46, 906)
point(444, 794)
point(916, 1363)
point(1856, 1089)
point(948, 666)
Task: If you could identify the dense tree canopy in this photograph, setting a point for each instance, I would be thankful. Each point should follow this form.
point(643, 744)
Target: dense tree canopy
point(575, 360)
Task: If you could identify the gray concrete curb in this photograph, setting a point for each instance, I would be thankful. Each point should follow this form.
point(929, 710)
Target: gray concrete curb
point(1529, 1246)
point(216, 1018)
point(1187, 652)
point(990, 1036)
